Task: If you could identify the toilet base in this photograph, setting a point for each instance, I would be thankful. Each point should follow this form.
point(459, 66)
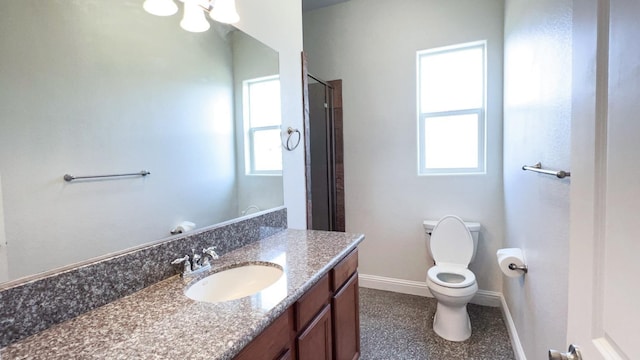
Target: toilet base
point(452, 322)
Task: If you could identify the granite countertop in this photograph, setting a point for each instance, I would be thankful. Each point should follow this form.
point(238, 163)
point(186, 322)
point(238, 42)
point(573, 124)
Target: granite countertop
point(159, 322)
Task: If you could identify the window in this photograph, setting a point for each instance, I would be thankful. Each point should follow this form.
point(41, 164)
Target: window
point(262, 120)
point(451, 109)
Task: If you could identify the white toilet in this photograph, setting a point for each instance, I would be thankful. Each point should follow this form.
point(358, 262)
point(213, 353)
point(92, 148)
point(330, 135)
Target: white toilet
point(452, 244)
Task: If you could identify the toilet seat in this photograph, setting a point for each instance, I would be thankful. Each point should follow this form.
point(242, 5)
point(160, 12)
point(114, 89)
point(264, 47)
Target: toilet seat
point(451, 276)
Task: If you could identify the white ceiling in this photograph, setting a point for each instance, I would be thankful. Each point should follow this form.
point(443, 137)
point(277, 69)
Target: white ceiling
point(308, 5)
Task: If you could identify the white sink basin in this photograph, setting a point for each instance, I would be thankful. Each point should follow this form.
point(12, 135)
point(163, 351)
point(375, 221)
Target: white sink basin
point(234, 283)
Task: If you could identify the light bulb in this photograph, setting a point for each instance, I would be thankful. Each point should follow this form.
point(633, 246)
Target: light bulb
point(194, 19)
point(224, 11)
point(160, 7)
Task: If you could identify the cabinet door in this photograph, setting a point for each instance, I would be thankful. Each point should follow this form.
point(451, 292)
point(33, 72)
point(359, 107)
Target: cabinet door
point(273, 343)
point(346, 321)
point(286, 355)
point(315, 342)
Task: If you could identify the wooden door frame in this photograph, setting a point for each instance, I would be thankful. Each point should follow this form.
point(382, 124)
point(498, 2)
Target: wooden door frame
point(340, 224)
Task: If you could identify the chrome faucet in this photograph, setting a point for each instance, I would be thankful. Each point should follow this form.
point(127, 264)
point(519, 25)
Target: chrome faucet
point(196, 263)
point(186, 264)
point(208, 253)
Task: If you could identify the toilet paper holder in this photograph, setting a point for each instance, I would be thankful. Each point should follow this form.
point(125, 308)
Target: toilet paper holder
point(183, 227)
point(523, 268)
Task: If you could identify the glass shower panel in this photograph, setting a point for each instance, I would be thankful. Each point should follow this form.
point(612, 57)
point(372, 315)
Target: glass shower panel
point(322, 151)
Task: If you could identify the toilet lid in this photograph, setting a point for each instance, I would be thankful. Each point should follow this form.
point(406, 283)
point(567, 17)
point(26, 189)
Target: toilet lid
point(451, 242)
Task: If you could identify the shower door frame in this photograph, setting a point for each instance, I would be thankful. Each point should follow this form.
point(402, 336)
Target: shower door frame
point(337, 204)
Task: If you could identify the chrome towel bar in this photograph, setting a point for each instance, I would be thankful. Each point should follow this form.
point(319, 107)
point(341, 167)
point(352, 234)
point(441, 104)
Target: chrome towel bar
point(68, 177)
point(561, 174)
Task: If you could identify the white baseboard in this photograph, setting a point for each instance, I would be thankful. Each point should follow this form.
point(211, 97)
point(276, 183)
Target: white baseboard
point(483, 297)
point(511, 329)
point(487, 298)
point(396, 285)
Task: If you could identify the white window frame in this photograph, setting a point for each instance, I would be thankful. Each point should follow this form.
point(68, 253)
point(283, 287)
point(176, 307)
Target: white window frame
point(480, 112)
point(249, 131)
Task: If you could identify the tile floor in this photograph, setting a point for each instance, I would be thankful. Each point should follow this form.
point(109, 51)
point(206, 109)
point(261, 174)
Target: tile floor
point(398, 326)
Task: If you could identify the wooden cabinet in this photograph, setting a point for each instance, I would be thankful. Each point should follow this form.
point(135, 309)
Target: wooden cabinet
point(324, 324)
point(346, 309)
point(346, 321)
point(315, 342)
point(286, 356)
point(313, 322)
point(310, 304)
point(343, 270)
point(274, 343)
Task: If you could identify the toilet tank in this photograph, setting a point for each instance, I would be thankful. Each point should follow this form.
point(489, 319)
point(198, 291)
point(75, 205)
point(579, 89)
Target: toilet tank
point(474, 229)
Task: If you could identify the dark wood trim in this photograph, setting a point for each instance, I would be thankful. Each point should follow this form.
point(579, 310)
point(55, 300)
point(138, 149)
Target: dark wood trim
point(340, 224)
point(307, 137)
point(336, 85)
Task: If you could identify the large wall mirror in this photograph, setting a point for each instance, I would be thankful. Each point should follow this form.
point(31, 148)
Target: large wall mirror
point(102, 87)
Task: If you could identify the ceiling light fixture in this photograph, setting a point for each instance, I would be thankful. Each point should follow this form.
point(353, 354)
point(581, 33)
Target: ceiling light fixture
point(193, 18)
point(160, 7)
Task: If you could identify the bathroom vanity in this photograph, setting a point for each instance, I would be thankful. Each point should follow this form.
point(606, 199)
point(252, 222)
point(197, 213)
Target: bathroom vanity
point(323, 324)
point(312, 309)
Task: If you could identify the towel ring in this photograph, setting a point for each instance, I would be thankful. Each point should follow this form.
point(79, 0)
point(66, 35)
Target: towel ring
point(289, 144)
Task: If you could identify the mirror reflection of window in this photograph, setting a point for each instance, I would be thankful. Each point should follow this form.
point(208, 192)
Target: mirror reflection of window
point(261, 103)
